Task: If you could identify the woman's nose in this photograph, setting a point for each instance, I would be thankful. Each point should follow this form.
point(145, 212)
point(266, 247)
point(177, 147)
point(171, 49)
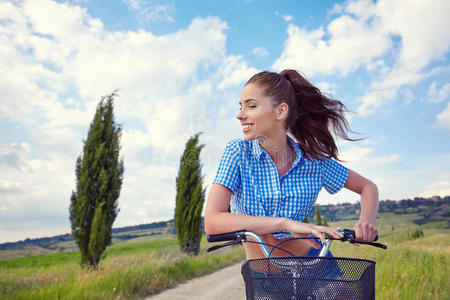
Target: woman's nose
point(240, 115)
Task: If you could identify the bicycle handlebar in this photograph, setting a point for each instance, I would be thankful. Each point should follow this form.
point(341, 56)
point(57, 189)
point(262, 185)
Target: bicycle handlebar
point(349, 235)
point(242, 235)
point(229, 236)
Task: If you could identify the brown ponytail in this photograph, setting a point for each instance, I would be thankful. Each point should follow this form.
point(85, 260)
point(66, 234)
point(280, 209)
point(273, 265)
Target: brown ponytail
point(310, 112)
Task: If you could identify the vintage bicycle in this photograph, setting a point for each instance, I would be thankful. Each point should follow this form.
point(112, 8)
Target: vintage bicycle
point(298, 277)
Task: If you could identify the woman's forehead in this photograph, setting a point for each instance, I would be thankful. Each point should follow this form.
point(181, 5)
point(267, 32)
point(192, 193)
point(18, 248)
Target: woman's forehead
point(252, 92)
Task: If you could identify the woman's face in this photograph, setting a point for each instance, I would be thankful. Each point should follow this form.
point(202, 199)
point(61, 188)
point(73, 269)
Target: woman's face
point(257, 114)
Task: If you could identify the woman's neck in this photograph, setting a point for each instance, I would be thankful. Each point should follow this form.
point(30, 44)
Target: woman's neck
point(278, 149)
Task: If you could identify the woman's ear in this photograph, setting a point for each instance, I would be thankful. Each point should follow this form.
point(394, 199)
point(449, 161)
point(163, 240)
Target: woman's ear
point(282, 111)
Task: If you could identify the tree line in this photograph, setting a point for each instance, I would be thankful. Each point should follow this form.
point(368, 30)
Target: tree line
point(430, 209)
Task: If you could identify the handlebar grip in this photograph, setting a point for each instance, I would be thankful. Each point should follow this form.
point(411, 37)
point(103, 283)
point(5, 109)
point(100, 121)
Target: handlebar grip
point(229, 236)
point(350, 234)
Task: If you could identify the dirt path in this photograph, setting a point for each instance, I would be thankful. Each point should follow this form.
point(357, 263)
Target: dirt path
point(226, 284)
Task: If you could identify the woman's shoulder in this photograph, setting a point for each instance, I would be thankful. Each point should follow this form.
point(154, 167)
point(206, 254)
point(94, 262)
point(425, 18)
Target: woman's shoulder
point(240, 144)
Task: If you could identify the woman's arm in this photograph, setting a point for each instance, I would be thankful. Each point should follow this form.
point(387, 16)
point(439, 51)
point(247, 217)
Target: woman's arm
point(365, 228)
point(219, 220)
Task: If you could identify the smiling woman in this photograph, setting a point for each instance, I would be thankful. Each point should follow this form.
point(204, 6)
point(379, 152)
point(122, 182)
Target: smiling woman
point(271, 178)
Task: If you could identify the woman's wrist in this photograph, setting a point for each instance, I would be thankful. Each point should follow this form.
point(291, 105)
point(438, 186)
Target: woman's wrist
point(286, 224)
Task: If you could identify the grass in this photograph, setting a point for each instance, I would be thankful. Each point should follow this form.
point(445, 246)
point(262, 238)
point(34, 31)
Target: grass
point(129, 271)
point(409, 268)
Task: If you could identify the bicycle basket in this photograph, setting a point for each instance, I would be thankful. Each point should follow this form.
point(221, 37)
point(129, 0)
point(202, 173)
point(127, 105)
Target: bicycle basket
point(309, 278)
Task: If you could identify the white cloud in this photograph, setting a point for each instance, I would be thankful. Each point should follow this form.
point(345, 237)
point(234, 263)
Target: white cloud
point(363, 161)
point(287, 18)
point(149, 11)
point(414, 34)
point(438, 95)
point(354, 155)
point(260, 52)
point(439, 186)
point(326, 87)
point(235, 71)
point(352, 42)
point(374, 100)
point(377, 67)
point(10, 157)
point(443, 118)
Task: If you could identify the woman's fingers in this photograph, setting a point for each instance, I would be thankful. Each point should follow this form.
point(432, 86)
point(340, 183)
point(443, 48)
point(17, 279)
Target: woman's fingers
point(318, 234)
point(334, 232)
point(365, 232)
point(306, 229)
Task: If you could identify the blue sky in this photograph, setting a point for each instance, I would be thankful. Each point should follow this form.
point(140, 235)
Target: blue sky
point(180, 66)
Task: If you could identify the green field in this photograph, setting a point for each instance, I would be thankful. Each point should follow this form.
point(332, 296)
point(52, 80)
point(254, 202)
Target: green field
point(130, 270)
point(409, 269)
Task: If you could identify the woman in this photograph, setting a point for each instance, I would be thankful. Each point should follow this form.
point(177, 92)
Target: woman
point(272, 181)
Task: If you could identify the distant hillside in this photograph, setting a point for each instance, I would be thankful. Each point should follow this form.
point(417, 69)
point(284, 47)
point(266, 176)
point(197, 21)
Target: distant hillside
point(58, 243)
point(430, 209)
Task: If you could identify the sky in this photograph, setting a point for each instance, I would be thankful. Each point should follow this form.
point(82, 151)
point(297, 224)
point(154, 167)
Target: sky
point(179, 67)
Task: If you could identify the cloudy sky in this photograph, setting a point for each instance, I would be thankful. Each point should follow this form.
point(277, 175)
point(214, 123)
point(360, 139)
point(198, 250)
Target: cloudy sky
point(180, 65)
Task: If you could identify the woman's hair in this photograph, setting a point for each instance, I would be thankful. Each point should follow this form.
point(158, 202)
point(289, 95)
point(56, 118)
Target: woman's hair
point(310, 112)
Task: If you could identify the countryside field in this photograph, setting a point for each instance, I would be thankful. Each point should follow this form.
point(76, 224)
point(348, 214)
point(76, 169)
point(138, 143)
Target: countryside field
point(409, 269)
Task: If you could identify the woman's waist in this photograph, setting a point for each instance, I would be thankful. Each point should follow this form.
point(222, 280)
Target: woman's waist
point(296, 247)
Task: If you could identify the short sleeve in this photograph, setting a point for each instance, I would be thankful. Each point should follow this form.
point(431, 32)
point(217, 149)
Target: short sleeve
point(334, 175)
point(228, 173)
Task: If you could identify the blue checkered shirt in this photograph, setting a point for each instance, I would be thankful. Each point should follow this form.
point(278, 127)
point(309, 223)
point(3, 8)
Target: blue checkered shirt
point(257, 190)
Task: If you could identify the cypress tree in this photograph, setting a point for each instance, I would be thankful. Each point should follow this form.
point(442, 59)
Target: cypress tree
point(189, 199)
point(99, 175)
point(318, 217)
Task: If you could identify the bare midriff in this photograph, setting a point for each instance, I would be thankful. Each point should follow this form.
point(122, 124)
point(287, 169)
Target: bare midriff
point(296, 247)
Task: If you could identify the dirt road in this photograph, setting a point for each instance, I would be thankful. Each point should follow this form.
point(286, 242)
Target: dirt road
point(226, 284)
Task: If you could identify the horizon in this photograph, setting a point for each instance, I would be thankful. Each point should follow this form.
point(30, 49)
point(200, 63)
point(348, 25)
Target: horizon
point(125, 226)
point(180, 67)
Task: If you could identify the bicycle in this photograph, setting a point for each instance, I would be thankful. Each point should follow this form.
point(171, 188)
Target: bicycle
point(300, 277)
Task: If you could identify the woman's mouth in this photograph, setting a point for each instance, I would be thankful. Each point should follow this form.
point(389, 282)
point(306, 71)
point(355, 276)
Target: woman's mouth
point(246, 127)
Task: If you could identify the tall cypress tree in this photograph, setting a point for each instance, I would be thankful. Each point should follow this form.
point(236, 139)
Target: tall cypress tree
point(318, 217)
point(99, 175)
point(189, 199)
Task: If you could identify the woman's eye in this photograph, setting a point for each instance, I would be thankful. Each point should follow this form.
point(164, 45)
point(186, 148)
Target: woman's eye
point(252, 106)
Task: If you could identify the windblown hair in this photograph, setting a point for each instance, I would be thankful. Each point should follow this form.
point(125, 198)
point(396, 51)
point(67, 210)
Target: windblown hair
point(311, 114)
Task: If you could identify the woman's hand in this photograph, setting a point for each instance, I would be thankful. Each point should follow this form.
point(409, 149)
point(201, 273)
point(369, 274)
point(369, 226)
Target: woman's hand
point(299, 229)
point(365, 231)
